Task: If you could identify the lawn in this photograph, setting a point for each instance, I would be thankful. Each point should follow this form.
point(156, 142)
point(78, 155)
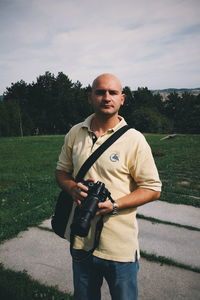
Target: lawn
point(20, 286)
point(28, 188)
point(28, 191)
point(178, 167)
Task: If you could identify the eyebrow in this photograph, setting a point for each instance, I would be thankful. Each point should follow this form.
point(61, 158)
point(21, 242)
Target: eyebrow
point(103, 91)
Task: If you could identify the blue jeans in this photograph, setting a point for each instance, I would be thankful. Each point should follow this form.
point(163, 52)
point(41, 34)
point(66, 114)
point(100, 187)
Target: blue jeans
point(88, 277)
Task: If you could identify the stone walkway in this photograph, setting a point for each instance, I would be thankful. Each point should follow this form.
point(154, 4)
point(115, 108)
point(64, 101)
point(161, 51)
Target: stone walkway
point(46, 257)
point(174, 213)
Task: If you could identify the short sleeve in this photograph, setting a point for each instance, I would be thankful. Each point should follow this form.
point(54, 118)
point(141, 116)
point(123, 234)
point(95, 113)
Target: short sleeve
point(65, 158)
point(144, 170)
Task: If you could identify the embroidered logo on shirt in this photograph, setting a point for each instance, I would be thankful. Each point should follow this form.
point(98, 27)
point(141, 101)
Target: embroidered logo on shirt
point(114, 157)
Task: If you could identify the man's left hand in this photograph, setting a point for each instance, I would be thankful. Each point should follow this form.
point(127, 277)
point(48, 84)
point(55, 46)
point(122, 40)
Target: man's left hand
point(105, 207)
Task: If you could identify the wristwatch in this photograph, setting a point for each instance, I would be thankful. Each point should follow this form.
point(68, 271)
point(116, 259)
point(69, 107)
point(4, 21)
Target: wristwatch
point(115, 208)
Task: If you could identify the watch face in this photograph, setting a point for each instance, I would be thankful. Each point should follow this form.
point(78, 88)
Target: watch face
point(115, 208)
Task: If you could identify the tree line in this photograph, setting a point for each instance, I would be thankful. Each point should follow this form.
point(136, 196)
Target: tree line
point(53, 104)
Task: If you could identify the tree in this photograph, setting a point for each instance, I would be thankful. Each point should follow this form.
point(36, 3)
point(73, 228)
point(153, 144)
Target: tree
point(184, 112)
point(4, 120)
point(41, 103)
point(53, 104)
point(10, 121)
point(18, 95)
point(63, 103)
point(144, 111)
point(150, 120)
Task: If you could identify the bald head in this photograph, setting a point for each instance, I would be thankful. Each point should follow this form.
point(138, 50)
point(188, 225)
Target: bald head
point(109, 78)
point(106, 96)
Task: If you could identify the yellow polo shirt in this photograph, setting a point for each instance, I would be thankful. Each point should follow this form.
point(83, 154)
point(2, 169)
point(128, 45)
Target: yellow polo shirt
point(124, 166)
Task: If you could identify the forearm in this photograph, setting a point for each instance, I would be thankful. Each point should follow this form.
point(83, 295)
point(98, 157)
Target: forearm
point(134, 199)
point(64, 180)
point(137, 198)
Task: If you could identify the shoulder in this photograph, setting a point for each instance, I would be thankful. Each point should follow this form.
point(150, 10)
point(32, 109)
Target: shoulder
point(135, 134)
point(75, 128)
point(73, 133)
point(136, 141)
point(81, 126)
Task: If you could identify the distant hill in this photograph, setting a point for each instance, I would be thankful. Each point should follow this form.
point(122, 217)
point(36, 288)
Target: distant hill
point(165, 92)
point(182, 90)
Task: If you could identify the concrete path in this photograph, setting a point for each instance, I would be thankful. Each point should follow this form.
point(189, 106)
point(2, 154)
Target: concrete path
point(46, 257)
point(174, 213)
point(179, 244)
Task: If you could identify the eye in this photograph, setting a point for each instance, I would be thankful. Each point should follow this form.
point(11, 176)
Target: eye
point(100, 92)
point(112, 92)
point(103, 92)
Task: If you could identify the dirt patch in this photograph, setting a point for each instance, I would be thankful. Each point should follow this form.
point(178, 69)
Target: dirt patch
point(194, 197)
point(158, 153)
point(184, 182)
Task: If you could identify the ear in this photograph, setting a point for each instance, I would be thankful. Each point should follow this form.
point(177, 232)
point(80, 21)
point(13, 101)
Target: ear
point(123, 96)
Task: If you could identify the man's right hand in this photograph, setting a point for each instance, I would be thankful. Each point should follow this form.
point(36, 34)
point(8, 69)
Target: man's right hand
point(78, 192)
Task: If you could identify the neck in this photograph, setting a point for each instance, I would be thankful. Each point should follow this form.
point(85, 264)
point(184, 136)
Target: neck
point(100, 125)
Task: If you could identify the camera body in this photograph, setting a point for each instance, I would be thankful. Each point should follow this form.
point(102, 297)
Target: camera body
point(97, 192)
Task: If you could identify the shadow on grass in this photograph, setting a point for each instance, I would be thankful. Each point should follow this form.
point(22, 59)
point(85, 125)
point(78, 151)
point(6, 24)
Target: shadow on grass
point(20, 286)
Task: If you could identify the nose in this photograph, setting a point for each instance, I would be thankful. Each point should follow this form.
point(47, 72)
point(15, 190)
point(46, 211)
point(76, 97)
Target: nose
point(107, 96)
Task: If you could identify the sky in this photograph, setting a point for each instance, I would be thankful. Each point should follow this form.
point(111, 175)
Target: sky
point(146, 43)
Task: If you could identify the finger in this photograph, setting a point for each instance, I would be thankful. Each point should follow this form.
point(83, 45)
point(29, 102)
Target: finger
point(81, 186)
point(78, 202)
point(103, 211)
point(78, 192)
point(82, 194)
point(107, 204)
point(78, 195)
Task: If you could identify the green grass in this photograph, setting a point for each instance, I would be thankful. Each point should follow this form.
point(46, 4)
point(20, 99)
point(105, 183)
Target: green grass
point(22, 287)
point(158, 221)
point(27, 186)
point(178, 167)
point(27, 196)
point(28, 192)
point(167, 261)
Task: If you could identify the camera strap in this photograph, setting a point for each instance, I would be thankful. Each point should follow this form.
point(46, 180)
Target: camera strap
point(97, 153)
point(86, 166)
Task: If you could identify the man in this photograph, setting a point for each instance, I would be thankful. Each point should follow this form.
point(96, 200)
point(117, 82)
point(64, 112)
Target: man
point(128, 170)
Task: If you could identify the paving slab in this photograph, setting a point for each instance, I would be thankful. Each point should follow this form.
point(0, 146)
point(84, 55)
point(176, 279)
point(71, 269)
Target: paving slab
point(175, 213)
point(179, 244)
point(46, 258)
point(43, 255)
point(162, 282)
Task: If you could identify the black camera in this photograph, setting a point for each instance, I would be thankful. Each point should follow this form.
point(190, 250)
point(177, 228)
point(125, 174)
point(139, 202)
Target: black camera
point(97, 192)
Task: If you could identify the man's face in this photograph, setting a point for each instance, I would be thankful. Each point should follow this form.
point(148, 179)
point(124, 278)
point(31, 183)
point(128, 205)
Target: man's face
point(106, 97)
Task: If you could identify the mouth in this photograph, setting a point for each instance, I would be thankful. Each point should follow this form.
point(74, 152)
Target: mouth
point(106, 106)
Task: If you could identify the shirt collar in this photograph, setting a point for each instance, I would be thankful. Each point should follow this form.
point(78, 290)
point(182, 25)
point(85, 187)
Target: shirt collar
point(87, 122)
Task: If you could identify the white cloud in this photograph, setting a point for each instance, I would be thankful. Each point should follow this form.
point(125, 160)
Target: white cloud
point(145, 43)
